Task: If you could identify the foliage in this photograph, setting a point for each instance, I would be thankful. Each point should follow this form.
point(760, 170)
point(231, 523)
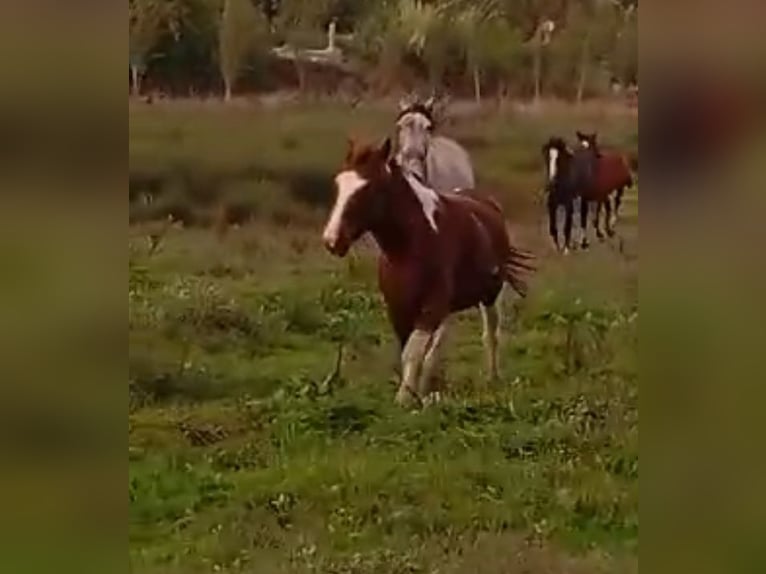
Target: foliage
point(242, 31)
point(148, 19)
point(435, 41)
point(490, 44)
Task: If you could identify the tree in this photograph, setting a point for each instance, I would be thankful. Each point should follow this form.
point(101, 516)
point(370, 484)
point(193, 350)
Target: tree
point(502, 51)
point(603, 22)
point(301, 23)
point(490, 45)
point(241, 29)
point(147, 21)
point(426, 33)
point(540, 40)
point(625, 58)
point(470, 24)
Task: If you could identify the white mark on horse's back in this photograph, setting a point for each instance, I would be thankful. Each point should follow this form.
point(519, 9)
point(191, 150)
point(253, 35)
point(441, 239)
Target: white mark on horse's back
point(347, 183)
point(553, 155)
point(428, 198)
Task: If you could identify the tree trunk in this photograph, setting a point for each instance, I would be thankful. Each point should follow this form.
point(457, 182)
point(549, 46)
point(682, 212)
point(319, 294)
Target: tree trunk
point(502, 90)
point(477, 83)
point(135, 81)
point(300, 71)
point(583, 76)
point(538, 69)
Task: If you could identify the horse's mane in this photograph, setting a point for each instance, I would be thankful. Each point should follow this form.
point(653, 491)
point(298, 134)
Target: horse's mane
point(417, 108)
point(557, 143)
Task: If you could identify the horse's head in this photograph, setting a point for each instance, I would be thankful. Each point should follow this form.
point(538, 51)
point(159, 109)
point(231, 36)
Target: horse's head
point(360, 187)
point(588, 140)
point(414, 127)
point(556, 152)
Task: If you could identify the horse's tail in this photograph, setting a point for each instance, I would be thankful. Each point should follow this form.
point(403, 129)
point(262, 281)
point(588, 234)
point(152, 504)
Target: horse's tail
point(517, 266)
point(515, 269)
point(631, 167)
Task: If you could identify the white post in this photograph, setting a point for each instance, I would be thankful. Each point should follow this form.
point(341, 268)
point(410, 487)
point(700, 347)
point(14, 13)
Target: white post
point(331, 36)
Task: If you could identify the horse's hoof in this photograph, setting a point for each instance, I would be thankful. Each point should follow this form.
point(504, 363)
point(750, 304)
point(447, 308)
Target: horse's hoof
point(565, 251)
point(432, 399)
point(600, 235)
point(407, 398)
point(610, 232)
point(584, 244)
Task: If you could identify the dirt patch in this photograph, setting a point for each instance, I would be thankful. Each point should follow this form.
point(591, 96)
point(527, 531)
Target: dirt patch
point(510, 553)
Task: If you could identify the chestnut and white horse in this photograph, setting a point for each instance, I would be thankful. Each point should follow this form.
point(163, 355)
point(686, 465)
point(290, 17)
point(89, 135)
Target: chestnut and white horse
point(440, 253)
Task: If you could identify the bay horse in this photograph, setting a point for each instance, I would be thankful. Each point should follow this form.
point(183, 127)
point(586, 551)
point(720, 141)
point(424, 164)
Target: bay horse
point(610, 173)
point(440, 253)
point(568, 173)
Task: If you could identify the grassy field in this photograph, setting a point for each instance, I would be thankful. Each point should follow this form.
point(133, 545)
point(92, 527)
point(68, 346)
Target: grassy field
point(245, 457)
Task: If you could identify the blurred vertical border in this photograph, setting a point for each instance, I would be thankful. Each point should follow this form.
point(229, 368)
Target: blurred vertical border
point(703, 280)
point(63, 155)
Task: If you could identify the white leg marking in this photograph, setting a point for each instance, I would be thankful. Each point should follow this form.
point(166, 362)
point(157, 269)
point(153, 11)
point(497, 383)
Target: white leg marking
point(491, 319)
point(412, 361)
point(347, 184)
point(432, 360)
point(553, 155)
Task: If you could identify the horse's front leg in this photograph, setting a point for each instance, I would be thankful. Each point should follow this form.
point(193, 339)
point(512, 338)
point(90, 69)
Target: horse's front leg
point(597, 220)
point(552, 223)
point(584, 222)
point(569, 217)
point(432, 373)
point(413, 357)
point(422, 352)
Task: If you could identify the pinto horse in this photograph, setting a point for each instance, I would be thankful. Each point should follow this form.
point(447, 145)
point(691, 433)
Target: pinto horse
point(440, 253)
point(610, 173)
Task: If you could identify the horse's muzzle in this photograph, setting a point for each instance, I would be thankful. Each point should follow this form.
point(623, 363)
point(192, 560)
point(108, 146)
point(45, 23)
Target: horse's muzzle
point(338, 246)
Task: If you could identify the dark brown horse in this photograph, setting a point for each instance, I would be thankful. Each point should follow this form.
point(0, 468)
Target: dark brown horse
point(439, 254)
point(568, 173)
point(610, 174)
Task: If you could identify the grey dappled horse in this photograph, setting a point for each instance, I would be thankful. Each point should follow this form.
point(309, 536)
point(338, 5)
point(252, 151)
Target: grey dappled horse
point(439, 162)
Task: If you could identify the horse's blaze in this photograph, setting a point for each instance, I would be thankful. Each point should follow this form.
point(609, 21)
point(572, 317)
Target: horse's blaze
point(347, 184)
point(553, 155)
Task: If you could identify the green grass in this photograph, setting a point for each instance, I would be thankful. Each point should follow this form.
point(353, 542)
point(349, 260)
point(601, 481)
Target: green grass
point(243, 458)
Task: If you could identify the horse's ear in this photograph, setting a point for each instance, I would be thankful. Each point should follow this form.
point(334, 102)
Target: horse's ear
point(350, 147)
point(385, 149)
point(405, 102)
point(580, 135)
point(429, 104)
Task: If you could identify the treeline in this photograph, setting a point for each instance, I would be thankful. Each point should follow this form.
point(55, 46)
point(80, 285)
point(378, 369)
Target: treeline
point(571, 49)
